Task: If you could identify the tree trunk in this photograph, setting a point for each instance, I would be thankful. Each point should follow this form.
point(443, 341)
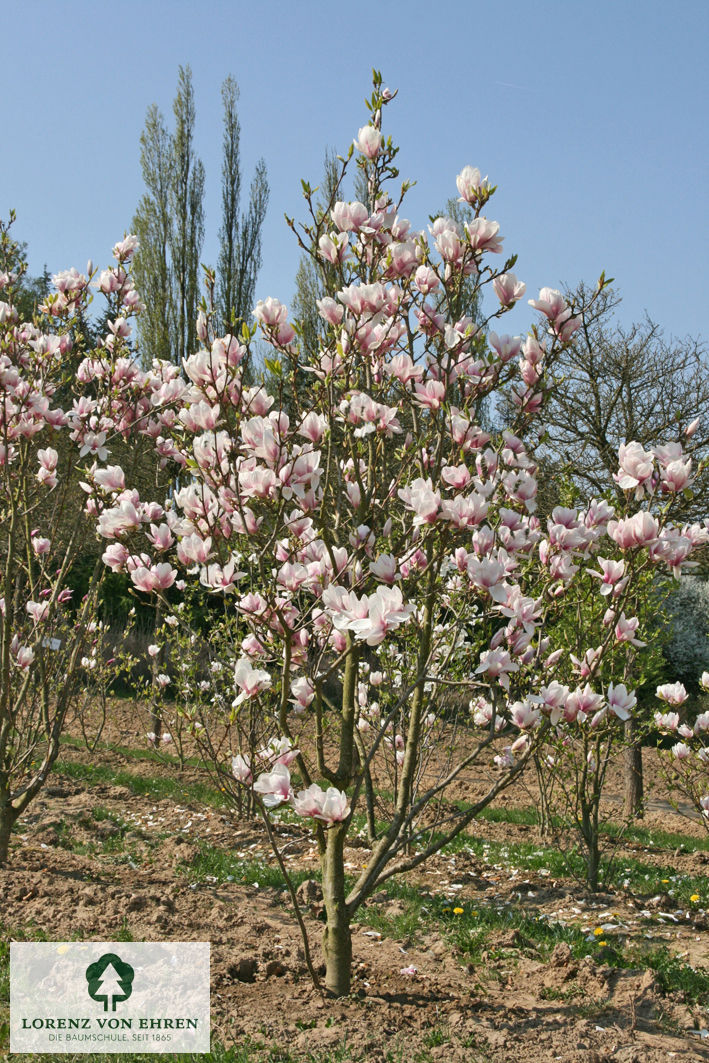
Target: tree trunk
point(155, 712)
point(7, 820)
point(337, 938)
point(593, 865)
point(545, 815)
point(633, 773)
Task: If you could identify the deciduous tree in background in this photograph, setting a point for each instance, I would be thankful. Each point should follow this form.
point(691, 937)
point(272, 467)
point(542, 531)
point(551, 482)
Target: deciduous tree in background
point(619, 384)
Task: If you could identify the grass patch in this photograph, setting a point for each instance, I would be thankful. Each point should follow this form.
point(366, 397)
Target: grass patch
point(621, 872)
point(212, 864)
point(156, 786)
point(674, 976)
point(131, 753)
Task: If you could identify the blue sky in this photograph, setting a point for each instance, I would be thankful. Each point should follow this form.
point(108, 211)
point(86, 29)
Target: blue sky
point(590, 117)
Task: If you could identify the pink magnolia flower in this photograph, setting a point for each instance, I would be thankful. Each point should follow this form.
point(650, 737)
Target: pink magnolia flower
point(40, 545)
point(701, 724)
point(332, 806)
point(48, 459)
point(581, 703)
point(384, 568)
point(385, 612)
point(349, 216)
point(279, 751)
point(483, 235)
point(251, 681)
point(508, 289)
point(369, 141)
point(125, 248)
point(24, 657)
point(625, 631)
point(506, 347)
point(677, 475)
point(120, 518)
point(551, 303)
point(672, 693)
point(489, 575)
point(430, 395)
point(422, 499)
point(470, 184)
point(274, 786)
point(620, 700)
point(638, 530)
point(241, 769)
point(498, 664)
point(524, 714)
point(333, 247)
point(403, 368)
point(426, 279)
point(158, 577)
point(193, 550)
point(636, 467)
point(270, 311)
point(313, 427)
point(302, 693)
point(115, 556)
point(39, 611)
point(668, 721)
point(611, 576)
point(112, 478)
point(553, 699)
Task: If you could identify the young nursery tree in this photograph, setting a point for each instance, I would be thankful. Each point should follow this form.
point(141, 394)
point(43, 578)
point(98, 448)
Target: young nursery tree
point(391, 669)
point(616, 385)
point(685, 763)
point(58, 415)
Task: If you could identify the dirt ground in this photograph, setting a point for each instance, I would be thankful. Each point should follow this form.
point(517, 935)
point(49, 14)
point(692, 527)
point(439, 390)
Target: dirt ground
point(511, 1006)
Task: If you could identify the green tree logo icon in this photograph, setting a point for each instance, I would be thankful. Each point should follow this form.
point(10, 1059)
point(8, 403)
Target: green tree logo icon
point(110, 980)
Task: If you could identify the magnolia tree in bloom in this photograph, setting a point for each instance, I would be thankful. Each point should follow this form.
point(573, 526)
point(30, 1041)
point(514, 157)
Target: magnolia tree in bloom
point(615, 600)
point(399, 607)
point(686, 761)
point(60, 409)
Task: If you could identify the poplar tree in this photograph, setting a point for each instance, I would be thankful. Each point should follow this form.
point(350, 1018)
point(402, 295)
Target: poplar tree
point(170, 225)
point(152, 226)
point(187, 235)
point(240, 232)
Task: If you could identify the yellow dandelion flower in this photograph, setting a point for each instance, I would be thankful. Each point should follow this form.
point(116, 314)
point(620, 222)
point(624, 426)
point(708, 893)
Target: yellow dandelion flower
point(602, 942)
point(694, 898)
point(598, 931)
point(457, 911)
